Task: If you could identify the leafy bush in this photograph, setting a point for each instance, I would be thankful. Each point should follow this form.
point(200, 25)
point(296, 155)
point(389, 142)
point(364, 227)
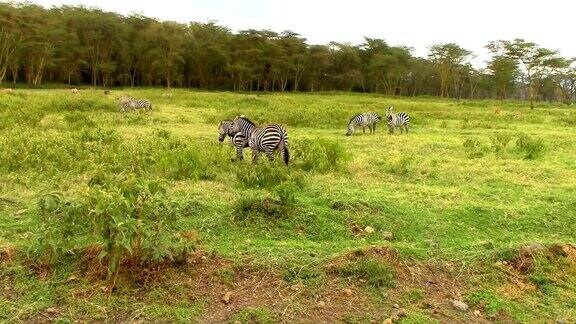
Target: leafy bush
point(474, 148)
point(321, 155)
point(500, 142)
point(531, 148)
point(129, 217)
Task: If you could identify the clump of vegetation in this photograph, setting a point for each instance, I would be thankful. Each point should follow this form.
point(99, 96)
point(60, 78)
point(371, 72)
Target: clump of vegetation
point(491, 302)
point(500, 142)
point(374, 273)
point(530, 148)
point(474, 148)
point(320, 155)
point(127, 216)
point(401, 166)
point(267, 175)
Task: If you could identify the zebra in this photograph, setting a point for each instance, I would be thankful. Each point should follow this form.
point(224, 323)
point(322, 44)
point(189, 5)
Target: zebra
point(236, 139)
point(400, 119)
point(263, 139)
point(129, 103)
point(366, 119)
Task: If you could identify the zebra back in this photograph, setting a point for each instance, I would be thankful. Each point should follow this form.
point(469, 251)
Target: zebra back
point(396, 119)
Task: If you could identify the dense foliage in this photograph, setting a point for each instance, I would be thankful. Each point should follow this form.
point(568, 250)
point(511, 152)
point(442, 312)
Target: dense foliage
point(77, 45)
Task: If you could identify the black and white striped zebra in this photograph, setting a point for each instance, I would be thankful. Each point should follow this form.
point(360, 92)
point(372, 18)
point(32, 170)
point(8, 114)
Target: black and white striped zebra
point(401, 120)
point(263, 139)
point(366, 119)
point(236, 139)
point(127, 103)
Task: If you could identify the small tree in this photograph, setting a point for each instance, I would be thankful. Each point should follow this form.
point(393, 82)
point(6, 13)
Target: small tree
point(537, 62)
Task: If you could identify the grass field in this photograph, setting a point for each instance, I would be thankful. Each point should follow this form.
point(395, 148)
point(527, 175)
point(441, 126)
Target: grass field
point(143, 216)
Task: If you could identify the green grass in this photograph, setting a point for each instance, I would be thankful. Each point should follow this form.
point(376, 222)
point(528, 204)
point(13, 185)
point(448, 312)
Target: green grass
point(462, 187)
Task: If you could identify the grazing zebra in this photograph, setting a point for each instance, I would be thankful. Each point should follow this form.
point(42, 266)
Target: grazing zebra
point(366, 119)
point(236, 139)
point(401, 120)
point(128, 103)
point(74, 91)
point(263, 139)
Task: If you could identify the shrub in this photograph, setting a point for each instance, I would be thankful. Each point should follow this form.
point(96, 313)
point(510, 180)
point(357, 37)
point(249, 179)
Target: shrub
point(321, 155)
point(128, 216)
point(531, 148)
point(474, 148)
point(500, 142)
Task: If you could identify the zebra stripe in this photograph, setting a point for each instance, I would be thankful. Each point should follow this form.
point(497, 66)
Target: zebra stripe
point(366, 119)
point(263, 139)
point(401, 120)
point(236, 139)
point(129, 103)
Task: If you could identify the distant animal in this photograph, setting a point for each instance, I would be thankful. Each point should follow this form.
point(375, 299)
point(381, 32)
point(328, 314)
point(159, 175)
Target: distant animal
point(74, 90)
point(127, 103)
point(366, 119)
point(401, 120)
point(236, 139)
point(263, 139)
point(106, 92)
point(498, 111)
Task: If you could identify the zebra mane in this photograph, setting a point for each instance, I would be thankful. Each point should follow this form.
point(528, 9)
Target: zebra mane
point(247, 120)
point(351, 119)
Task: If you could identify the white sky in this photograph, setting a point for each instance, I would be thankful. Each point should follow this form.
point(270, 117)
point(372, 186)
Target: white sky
point(414, 23)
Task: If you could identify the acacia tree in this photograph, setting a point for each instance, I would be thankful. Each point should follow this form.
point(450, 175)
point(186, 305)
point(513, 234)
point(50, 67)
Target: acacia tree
point(11, 37)
point(537, 62)
point(505, 72)
point(166, 41)
point(447, 58)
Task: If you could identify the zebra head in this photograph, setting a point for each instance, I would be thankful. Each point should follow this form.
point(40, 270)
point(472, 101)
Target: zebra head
point(243, 125)
point(224, 129)
point(350, 129)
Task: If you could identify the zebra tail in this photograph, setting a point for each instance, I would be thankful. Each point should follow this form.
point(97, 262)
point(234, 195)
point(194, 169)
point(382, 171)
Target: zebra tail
point(286, 154)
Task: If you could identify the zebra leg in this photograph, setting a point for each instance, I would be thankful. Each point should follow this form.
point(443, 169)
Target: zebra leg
point(407, 127)
point(374, 128)
point(255, 155)
point(363, 129)
point(391, 129)
point(239, 153)
point(270, 154)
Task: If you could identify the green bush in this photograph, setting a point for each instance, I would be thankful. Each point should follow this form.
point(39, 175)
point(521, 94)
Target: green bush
point(128, 216)
point(320, 155)
point(500, 141)
point(529, 147)
point(474, 148)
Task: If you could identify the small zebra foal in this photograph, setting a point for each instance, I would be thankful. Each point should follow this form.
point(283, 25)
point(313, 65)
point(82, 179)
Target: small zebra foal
point(366, 119)
point(400, 119)
point(263, 139)
point(236, 139)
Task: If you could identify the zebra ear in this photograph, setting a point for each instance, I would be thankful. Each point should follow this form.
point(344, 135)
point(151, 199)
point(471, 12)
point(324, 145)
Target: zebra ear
point(242, 116)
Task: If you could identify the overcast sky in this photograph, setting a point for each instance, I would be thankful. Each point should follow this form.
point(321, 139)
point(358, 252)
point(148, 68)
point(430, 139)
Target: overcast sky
point(414, 23)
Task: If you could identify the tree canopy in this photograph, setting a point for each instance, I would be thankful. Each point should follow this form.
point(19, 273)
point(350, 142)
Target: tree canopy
point(79, 45)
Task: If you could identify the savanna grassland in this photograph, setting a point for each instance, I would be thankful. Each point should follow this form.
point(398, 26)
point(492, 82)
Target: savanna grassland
point(144, 217)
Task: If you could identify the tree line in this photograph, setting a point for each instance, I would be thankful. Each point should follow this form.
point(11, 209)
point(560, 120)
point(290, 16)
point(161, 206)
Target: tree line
point(79, 45)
